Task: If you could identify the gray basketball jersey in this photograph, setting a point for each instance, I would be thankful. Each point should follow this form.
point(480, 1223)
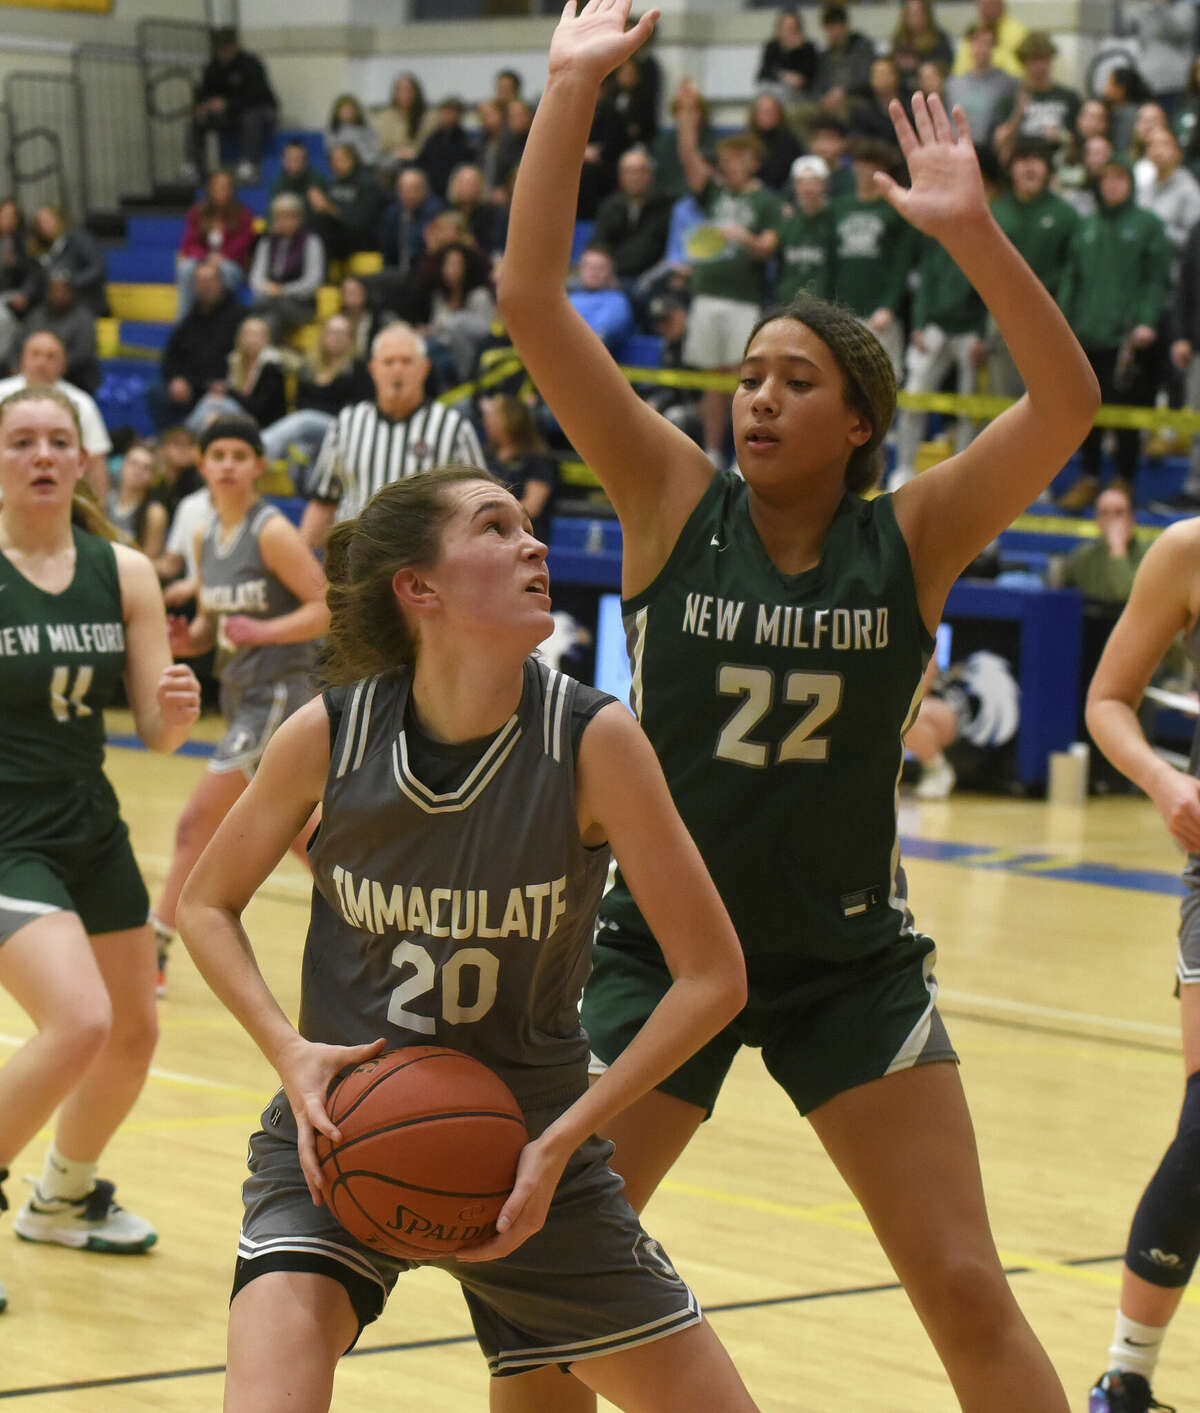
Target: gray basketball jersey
point(236, 580)
point(462, 918)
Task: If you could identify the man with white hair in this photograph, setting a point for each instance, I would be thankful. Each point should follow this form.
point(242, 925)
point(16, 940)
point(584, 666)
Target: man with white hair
point(374, 443)
point(44, 361)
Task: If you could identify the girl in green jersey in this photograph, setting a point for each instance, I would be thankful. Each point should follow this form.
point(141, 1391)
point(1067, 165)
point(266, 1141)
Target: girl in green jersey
point(78, 616)
point(813, 403)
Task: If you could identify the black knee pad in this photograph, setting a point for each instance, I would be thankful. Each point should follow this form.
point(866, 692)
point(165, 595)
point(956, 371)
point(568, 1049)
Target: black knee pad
point(1164, 1241)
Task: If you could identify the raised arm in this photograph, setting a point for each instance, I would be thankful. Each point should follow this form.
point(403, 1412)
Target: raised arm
point(652, 472)
point(949, 513)
point(1165, 599)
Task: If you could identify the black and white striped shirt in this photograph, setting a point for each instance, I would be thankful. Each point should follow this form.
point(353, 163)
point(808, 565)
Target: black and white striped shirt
point(366, 450)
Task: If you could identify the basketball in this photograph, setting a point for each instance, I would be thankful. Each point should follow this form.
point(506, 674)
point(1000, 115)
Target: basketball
point(430, 1142)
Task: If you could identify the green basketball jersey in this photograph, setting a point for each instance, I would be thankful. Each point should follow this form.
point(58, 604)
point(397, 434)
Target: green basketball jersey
point(776, 704)
point(62, 657)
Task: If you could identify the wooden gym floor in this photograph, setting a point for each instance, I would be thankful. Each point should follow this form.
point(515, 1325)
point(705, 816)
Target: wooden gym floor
point(1056, 931)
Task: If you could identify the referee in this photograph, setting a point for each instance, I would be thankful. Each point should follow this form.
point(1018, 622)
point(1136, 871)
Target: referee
point(372, 444)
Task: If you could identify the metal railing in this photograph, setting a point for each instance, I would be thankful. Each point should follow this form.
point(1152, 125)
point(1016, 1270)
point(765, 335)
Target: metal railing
point(46, 139)
point(172, 54)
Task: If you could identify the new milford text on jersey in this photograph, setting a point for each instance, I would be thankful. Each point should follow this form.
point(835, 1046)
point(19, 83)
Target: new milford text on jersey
point(531, 911)
point(788, 626)
point(24, 640)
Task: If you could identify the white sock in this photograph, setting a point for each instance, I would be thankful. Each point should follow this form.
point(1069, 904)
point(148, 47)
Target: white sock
point(63, 1177)
point(1135, 1348)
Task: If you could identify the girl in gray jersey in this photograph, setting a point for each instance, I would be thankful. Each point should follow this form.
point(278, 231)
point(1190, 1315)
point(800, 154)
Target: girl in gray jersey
point(1164, 1239)
point(261, 602)
point(470, 796)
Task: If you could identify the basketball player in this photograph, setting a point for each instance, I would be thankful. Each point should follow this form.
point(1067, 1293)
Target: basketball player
point(261, 600)
point(1164, 1240)
point(779, 627)
point(470, 795)
point(78, 616)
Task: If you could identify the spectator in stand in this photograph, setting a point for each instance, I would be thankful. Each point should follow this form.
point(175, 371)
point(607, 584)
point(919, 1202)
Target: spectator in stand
point(347, 215)
point(768, 122)
point(403, 125)
point(131, 506)
point(1185, 356)
point(449, 145)
point(59, 246)
point(1085, 197)
point(1147, 120)
point(220, 228)
point(599, 299)
point(486, 220)
point(874, 251)
point(1042, 225)
point(931, 78)
point(254, 382)
point(516, 453)
point(665, 151)
point(1125, 91)
point(632, 223)
point(1166, 45)
point(65, 316)
point(788, 63)
point(805, 256)
point(330, 378)
point(829, 139)
point(518, 115)
point(234, 99)
point(507, 86)
point(402, 230)
point(287, 269)
point(1166, 187)
point(44, 361)
point(22, 280)
point(298, 177)
point(414, 301)
point(919, 39)
point(984, 91)
point(1102, 569)
point(348, 126)
point(1007, 33)
point(1090, 121)
point(729, 287)
point(844, 65)
point(1184, 118)
point(1039, 108)
point(196, 353)
point(1114, 292)
point(869, 115)
point(948, 323)
point(630, 109)
point(490, 151)
point(393, 435)
point(176, 469)
point(357, 307)
point(462, 307)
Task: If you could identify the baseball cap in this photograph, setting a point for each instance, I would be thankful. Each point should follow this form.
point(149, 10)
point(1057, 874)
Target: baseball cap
point(810, 165)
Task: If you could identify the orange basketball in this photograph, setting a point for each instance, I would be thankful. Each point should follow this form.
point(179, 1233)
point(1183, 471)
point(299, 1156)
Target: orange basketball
point(430, 1142)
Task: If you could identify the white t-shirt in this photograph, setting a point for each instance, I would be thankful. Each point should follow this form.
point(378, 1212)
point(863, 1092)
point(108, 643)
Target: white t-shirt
point(191, 518)
point(95, 434)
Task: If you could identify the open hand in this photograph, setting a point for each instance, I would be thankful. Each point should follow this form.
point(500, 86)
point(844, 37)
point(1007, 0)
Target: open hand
point(594, 40)
point(946, 195)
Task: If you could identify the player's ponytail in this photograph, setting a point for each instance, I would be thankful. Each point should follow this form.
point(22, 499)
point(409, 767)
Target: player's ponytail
point(399, 528)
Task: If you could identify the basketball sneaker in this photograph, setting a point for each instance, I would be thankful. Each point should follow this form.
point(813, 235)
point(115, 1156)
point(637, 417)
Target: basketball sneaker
point(937, 780)
point(90, 1223)
point(1118, 1392)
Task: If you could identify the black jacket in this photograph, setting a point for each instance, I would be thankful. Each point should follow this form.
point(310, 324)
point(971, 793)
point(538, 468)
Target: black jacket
point(199, 346)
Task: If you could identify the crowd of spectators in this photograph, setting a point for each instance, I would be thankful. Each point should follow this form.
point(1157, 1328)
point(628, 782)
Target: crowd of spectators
point(695, 225)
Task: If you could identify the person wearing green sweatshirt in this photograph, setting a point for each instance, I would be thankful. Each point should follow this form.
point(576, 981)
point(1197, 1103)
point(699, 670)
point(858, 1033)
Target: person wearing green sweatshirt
point(948, 322)
point(805, 253)
point(1114, 291)
point(1040, 224)
point(874, 251)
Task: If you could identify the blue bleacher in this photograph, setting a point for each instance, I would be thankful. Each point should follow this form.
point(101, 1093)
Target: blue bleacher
point(142, 264)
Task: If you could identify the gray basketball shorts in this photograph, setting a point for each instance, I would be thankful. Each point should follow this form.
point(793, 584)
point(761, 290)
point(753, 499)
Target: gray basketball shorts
point(1187, 968)
point(591, 1282)
point(253, 715)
